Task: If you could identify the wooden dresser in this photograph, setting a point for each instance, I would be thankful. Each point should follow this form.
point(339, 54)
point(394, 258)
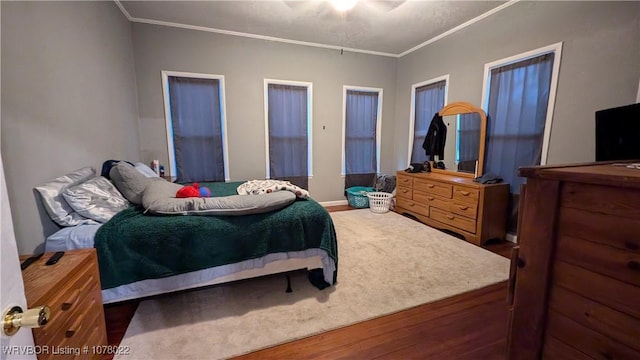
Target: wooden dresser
point(71, 289)
point(476, 211)
point(577, 279)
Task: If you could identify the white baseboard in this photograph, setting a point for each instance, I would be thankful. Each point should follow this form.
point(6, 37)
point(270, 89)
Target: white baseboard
point(512, 237)
point(334, 203)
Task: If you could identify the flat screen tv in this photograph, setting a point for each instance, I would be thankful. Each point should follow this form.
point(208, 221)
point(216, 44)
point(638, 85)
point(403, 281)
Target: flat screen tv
point(618, 133)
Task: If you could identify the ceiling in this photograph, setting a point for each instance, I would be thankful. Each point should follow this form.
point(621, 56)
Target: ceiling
point(391, 28)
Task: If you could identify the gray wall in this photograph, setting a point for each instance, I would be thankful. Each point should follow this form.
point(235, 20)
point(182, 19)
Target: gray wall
point(69, 87)
point(600, 65)
point(68, 99)
point(245, 63)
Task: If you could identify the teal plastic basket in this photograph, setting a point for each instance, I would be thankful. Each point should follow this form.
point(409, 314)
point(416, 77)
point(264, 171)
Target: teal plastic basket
point(357, 196)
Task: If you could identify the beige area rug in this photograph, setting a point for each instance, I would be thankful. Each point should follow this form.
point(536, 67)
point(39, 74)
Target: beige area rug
point(387, 263)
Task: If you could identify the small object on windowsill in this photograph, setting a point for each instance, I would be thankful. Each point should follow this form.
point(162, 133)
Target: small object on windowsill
point(155, 166)
point(161, 170)
point(170, 178)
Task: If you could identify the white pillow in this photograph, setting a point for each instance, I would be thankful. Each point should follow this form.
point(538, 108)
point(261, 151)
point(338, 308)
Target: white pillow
point(55, 204)
point(96, 199)
point(145, 170)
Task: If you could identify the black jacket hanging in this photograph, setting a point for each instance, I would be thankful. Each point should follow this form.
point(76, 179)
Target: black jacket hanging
point(436, 136)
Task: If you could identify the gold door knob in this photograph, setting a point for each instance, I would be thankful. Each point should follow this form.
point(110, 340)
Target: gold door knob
point(15, 318)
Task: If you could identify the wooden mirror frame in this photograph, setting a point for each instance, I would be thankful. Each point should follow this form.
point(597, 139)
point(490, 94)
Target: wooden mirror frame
point(462, 107)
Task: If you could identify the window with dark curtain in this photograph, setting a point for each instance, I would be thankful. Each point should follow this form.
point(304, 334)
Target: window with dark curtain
point(468, 142)
point(288, 115)
point(360, 138)
point(518, 102)
point(429, 99)
point(196, 122)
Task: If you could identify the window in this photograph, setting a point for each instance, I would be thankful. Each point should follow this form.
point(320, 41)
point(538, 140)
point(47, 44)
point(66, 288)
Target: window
point(361, 135)
point(196, 126)
point(468, 129)
point(288, 131)
point(427, 98)
point(519, 96)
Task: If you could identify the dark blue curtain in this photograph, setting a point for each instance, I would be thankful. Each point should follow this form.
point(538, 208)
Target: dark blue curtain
point(429, 99)
point(468, 142)
point(518, 100)
point(361, 157)
point(196, 123)
point(288, 134)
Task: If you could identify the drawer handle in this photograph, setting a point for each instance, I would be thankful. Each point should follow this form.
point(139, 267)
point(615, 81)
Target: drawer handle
point(633, 265)
point(74, 328)
point(405, 191)
point(431, 186)
point(450, 217)
point(72, 300)
point(430, 198)
point(465, 193)
point(463, 207)
point(77, 325)
point(76, 294)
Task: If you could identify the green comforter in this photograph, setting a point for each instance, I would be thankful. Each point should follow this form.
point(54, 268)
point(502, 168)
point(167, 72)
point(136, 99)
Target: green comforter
point(134, 246)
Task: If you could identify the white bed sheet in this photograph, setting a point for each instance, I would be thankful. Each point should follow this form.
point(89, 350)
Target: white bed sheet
point(72, 237)
point(81, 236)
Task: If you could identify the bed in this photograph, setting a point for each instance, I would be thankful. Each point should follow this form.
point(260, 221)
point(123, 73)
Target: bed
point(141, 255)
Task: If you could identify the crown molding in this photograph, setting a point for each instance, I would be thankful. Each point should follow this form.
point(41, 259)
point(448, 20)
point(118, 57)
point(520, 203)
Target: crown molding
point(312, 44)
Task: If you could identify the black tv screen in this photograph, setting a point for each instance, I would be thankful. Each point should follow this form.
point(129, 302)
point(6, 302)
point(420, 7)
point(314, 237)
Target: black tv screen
point(618, 133)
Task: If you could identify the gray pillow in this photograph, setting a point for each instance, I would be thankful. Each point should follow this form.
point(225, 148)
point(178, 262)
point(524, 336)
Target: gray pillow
point(54, 202)
point(160, 198)
point(96, 199)
point(130, 182)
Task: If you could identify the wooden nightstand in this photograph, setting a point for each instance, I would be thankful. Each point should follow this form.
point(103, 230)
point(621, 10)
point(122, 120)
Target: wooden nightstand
point(71, 289)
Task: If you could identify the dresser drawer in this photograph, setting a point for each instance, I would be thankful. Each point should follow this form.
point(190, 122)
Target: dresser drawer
point(404, 192)
point(603, 199)
point(71, 289)
point(465, 194)
point(402, 179)
point(66, 306)
point(413, 206)
point(469, 210)
point(592, 343)
point(458, 221)
point(595, 316)
point(433, 187)
point(456, 207)
point(618, 295)
point(430, 199)
point(609, 230)
point(607, 260)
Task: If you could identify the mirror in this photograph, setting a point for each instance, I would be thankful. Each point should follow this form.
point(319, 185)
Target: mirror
point(465, 140)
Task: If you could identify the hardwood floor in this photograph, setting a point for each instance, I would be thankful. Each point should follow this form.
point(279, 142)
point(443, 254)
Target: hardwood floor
point(468, 326)
point(472, 325)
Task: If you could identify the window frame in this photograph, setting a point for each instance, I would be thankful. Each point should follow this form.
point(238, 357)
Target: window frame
point(412, 113)
point(380, 91)
point(553, 48)
point(168, 121)
point(309, 86)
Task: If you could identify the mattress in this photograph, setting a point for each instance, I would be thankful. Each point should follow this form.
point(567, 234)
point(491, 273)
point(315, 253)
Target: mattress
point(81, 236)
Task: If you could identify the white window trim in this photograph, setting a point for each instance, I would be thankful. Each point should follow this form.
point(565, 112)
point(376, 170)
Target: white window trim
point(554, 48)
point(167, 116)
point(309, 87)
point(380, 92)
point(412, 114)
